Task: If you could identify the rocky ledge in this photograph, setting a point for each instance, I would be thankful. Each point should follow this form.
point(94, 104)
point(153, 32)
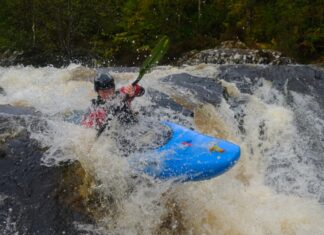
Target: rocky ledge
point(234, 53)
point(35, 199)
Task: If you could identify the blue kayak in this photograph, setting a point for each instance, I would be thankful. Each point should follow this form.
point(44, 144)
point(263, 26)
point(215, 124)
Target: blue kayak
point(186, 155)
point(191, 156)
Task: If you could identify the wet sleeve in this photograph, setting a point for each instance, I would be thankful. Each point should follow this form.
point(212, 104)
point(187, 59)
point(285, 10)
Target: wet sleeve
point(139, 91)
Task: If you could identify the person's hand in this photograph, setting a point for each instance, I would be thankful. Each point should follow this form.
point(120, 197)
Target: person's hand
point(129, 90)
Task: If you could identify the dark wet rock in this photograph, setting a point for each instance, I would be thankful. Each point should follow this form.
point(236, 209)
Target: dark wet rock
point(9, 57)
point(31, 194)
point(234, 56)
point(298, 78)
point(40, 58)
point(160, 99)
point(2, 91)
point(74, 192)
point(3, 152)
point(205, 90)
point(11, 110)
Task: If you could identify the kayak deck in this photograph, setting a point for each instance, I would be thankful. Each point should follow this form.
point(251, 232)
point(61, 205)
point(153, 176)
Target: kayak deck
point(191, 156)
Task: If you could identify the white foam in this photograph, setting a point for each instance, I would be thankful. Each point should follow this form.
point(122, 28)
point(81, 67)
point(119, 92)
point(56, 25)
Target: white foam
point(246, 200)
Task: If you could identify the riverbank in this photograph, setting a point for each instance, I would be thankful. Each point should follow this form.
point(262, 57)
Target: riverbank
point(228, 52)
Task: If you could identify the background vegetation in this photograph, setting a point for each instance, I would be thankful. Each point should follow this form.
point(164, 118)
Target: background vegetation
point(122, 31)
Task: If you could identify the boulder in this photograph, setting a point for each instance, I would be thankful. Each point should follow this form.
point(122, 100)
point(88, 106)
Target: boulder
point(228, 54)
point(34, 198)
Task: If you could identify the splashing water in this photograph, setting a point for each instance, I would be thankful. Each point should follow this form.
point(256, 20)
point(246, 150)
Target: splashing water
point(276, 188)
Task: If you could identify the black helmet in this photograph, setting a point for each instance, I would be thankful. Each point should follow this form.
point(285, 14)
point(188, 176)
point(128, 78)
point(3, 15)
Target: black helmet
point(103, 81)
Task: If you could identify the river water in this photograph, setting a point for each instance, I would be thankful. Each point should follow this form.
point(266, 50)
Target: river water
point(276, 187)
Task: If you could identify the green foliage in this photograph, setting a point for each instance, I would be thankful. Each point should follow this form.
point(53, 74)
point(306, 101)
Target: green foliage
point(125, 31)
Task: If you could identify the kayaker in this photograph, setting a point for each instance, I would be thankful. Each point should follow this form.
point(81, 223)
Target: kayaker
point(110, 102)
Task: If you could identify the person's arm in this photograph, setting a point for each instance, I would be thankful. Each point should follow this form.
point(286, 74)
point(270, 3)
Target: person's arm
point(130, 91)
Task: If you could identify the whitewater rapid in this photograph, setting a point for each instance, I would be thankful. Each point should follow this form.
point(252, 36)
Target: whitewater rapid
point(274, 188)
